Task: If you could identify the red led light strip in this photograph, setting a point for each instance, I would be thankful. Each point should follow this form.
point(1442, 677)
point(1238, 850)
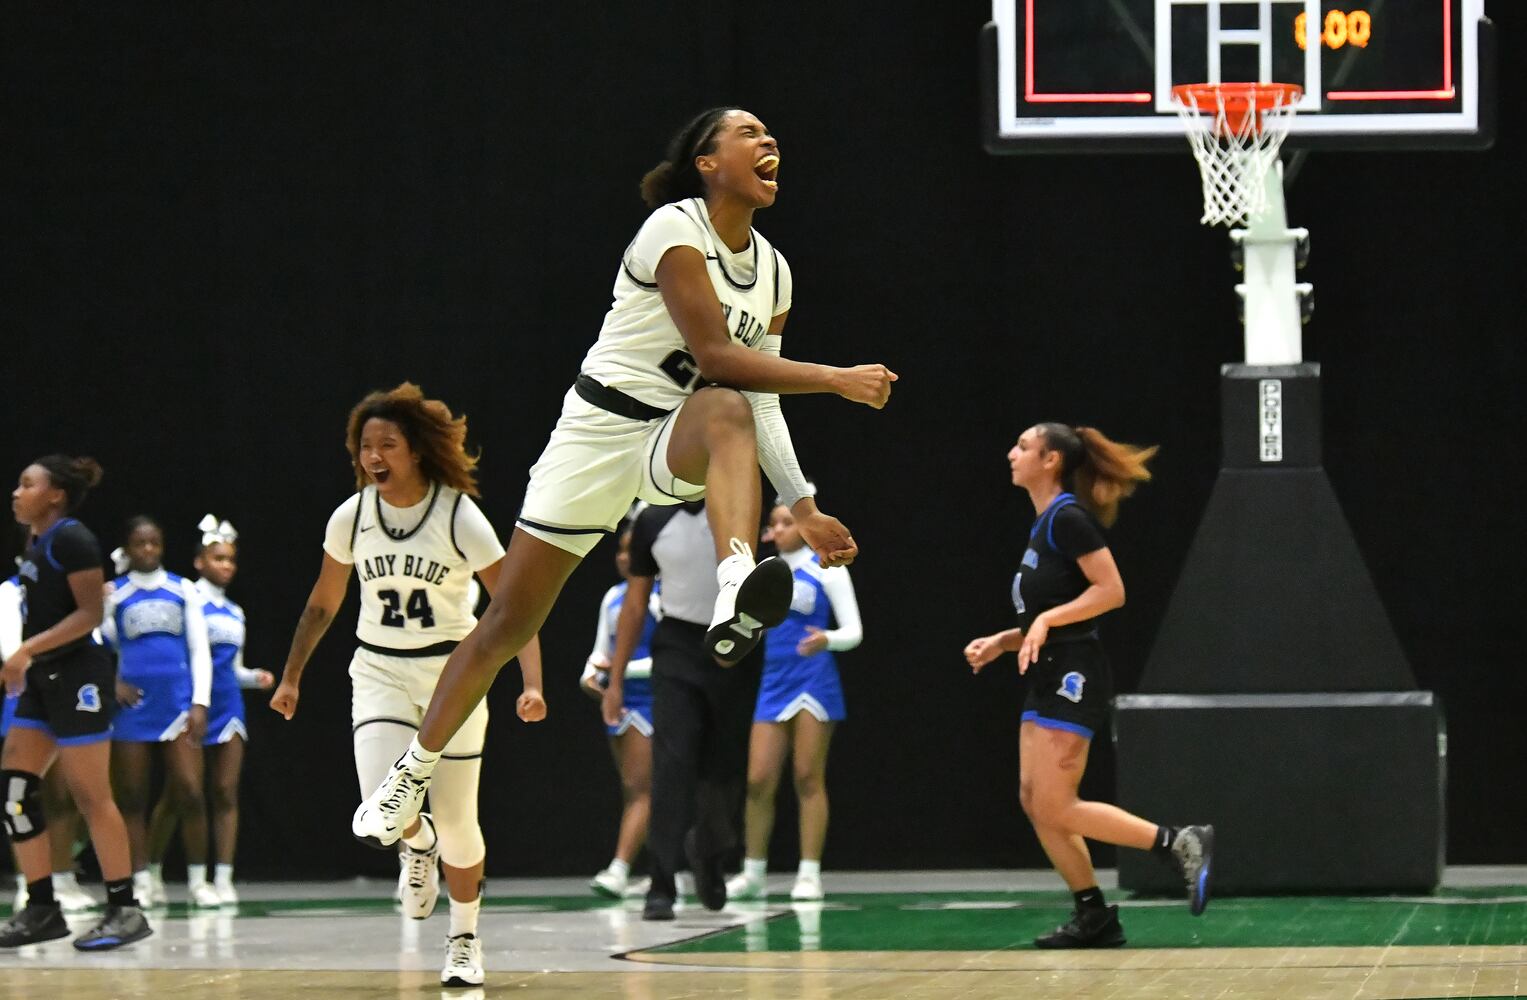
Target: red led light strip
point(1447, 93)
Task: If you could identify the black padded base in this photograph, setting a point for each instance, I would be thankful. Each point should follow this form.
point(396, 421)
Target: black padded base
point(1307, 793)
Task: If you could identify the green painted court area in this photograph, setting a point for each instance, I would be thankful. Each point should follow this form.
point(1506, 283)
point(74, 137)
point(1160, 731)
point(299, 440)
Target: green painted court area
point(965, 921)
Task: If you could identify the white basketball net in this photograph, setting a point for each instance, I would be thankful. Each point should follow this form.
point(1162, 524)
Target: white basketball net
point(1234, 155)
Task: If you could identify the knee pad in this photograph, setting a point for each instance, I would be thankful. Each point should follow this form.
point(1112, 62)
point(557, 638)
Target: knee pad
point(23, 817)
point(461, 842)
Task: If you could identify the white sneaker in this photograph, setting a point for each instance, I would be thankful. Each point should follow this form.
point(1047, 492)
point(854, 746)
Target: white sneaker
point(753, 598)
point(202, 894)
point(611, 884)
point(21, 895)
point(806, 888)
point(684, 885)
point(638, 888)
point(743, 888)
point(71, 896)
point(421, 879)
point(381, 819)
point(463, 961)
point(227, 895)
point(156, 886)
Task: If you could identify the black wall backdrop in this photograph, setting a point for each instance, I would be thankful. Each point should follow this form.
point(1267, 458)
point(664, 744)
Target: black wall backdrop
point(224, 223)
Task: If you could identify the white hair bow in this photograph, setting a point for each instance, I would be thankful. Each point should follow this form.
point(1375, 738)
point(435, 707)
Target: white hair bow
point(120, 561)
point(213, 530)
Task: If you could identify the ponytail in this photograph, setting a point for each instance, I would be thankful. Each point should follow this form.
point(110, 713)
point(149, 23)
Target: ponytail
point(677, 177)
point(1101, 472)
point(75, 476)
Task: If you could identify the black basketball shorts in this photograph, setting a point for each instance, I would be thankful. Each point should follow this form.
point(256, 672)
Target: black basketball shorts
point(72, 696)
point(1070, 688)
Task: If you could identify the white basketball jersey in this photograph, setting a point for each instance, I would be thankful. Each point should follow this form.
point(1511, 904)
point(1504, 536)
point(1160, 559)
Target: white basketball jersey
point(415, 583)
point(640, 351)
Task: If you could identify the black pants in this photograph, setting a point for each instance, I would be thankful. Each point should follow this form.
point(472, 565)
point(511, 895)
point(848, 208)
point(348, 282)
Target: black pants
point(701, 716)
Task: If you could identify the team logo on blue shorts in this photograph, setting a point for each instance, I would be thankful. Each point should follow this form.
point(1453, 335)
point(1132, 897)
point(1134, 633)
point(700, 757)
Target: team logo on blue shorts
point(1071, 687)
point(89, 699)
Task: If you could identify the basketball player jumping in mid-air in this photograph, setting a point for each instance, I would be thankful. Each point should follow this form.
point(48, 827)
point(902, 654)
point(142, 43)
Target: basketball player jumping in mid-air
point(677, 399)
point(414, 536)
point(1076, 478)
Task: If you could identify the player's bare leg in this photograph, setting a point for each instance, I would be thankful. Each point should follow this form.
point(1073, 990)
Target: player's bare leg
point(714, 443)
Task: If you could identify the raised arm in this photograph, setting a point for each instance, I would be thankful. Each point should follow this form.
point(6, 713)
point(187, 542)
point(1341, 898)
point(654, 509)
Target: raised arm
point(684, 283)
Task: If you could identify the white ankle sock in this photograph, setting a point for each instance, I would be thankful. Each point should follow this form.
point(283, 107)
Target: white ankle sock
point(156, 870)
point(619, 867)
point(223, 875)
point(65, 880)
point(419, 761)
point(425, 838)
point(755, 867)
point(195, 874)
point(809, 869)
point(464, 916)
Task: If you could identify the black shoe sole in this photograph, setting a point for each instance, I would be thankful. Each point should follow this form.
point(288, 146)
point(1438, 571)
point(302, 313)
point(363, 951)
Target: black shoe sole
point(1109, 942)
point(455, 983)
point(764, 597)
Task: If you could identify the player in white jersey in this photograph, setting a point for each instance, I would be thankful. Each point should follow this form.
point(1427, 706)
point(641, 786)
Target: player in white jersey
point(414, 536)
point(677, 399)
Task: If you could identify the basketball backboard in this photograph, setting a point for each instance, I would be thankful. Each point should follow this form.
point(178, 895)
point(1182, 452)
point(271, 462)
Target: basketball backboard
point(1096, 75)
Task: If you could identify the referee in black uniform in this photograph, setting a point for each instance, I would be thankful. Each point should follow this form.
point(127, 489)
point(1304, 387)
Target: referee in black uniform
point(701, 711)
point(68, 694)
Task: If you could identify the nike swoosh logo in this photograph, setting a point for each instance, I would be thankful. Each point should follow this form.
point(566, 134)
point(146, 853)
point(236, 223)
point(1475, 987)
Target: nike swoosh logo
point(366, 529)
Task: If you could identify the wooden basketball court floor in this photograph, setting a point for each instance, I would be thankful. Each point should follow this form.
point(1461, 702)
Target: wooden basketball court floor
point(916, 935)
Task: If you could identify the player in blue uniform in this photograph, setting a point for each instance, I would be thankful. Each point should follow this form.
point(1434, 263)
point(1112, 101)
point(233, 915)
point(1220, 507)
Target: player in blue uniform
point(800, 703)
point(217, 562)
point(1076, 478)
point(164, 682)
point(64, 715)
point(631, 739)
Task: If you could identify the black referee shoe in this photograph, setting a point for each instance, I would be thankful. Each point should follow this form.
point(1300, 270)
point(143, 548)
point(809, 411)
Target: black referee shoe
point(34, 925)
point(659, 906)
point(710, 876)
point(1087, 928)
point(747, 609)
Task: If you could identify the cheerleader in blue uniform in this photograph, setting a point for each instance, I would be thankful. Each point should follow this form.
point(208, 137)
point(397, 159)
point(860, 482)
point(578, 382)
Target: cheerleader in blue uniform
point(800, 701)
point(217, 562)
point(631, 740)
point(164, 685)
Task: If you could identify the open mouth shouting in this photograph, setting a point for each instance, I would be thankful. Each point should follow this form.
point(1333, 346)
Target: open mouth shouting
point(767, 170)
point(380, 474)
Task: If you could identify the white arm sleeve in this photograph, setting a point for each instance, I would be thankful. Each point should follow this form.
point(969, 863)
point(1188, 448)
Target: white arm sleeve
point(10, 619)
point(666, 228)
point(341, 531)
point(845, 608)
point(475, 537)
point(776, 452)
point(196, 644)
point(109, 616)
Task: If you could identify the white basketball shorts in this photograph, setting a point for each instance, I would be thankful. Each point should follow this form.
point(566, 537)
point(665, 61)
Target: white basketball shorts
point(594, 466)
point(396, 689)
